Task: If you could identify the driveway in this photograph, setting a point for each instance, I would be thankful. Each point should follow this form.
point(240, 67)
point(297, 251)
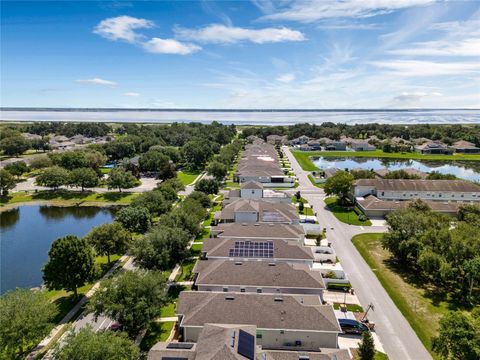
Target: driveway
point(395, 333)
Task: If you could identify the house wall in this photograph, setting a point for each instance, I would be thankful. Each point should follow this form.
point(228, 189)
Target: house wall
point(428, 195)
point(289, 261)
point(310, 340)
point(261, 179)
point(264, 289)
point(251, 193)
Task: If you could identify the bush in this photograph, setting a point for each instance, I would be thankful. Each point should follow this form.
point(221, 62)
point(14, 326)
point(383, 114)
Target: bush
point(338, 286)
point(362, 217)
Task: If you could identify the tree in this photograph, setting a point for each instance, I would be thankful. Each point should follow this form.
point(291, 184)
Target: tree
point(40, 162)
point(208, 186)
point(469, 213)
point(154, 201)
point(53, 177)
point(200, 197)
point(161, 248)
point(109, 239)
point(159, 163)
point(457, 338)
point(366, 349)
point(25, 318)
point(134, 218)
point(301, 207)
point(196, 153)
point(14, 146)
point(435, 175)
point(17, 168)
point(87, 344)
point(133, 298)
point(472, 270)
point(71, 264)
point(84, 178)
point(419, 205)
point(339, 184)
point(7, 182)
point(217, 170)
point(120, 179)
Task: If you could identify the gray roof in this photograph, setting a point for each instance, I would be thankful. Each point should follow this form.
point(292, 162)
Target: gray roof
point(282, 249)
point(371, 202)
point(462, 144)
point(251, 185)
point(292, 312)
point(323, 354)
point(259, 230)
point(281, 211)
point(246, 273)
point(419, 185)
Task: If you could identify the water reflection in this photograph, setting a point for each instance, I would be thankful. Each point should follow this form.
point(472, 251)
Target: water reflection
point(9, 218)
point(468, 170)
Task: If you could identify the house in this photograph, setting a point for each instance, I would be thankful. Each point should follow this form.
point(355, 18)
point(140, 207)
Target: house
point(399, 189)
point(433, 147)
point(305, 147)
point(314, 145)
point(301, 140)
point(297, 322)
point(256, 191)
point(259, 231)
point(381, 173)
point(29, 136)
point(333, 145)
point(65, 145)
point(252, 211)
point(361, 145)
point(244, 276)
point(277, 139)
point(269, 250)
point(235, 342)
point(465, 147)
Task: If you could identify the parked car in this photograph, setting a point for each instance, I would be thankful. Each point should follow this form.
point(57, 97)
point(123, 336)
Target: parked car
point(349, 326)
point(116, 326)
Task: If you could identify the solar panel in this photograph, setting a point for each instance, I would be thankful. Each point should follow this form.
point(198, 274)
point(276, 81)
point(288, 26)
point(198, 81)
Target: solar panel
point(258, 249)
point(173, 358)
point(180, 346)
point(246, 345)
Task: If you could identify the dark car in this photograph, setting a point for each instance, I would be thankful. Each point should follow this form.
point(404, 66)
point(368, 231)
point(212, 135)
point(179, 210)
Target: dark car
point(349, 326)
point(116, 326)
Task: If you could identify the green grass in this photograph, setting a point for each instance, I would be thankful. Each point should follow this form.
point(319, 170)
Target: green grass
point(186, 268)
point(187, 177)
point(319, 185)
point(419, 304)
point(343, 214)
point(303, 157)
point(350, 307)
point(380, 356)
point(64, 197)
point(65, 300)
point(168, 310)
point(156, 332)
point(306, 211)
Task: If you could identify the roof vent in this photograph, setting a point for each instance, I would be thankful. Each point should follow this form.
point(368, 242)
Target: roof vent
point(303, 357)
point(278, 299)
point(271, 264)
point(229, 297)
point(238, 263)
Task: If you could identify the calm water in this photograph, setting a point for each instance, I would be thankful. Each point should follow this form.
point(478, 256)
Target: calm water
point(265, 117)
point(27, 232)
point(463, 170)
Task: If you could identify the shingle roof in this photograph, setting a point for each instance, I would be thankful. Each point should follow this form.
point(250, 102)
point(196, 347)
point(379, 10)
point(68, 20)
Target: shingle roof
point(462, 144)
point(246, 273)
point(297, 312)
point(282, 249)
point(419, 185)
point(324, 354)
point(371, 202)
point(286, 212)
point(260, 230)
point(251, 185)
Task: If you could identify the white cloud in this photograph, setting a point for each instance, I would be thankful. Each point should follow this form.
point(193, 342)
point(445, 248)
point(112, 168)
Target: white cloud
point(169, 46)
point(286, 78)
point(133, 94)
point(98, 81)
point(122, 28)
point(413, 98)
point(313, 10)
point(465, 47)
point(427, 68)
point(221, 34)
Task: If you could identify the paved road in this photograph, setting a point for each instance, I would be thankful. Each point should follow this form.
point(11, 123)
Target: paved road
point(398, 339)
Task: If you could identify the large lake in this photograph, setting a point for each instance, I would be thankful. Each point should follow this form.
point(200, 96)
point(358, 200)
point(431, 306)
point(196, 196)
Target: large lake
point(468, 170)
point(27, 232)
point(246, 117)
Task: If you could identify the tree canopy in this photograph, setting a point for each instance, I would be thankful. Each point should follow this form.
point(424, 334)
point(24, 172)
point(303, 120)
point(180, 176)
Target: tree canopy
point(108, 239)
point(134, 218)
point(53, 177)
point(7, 182)
point(339, 184)
point(119, 178)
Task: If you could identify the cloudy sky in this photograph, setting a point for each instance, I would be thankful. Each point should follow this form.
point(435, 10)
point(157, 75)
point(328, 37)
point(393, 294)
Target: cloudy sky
point(241, 54)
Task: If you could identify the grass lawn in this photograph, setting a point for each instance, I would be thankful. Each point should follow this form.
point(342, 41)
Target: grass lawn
point(319, 185)
point(156, 332)
point(380, 356)
point(303, 157)
point(306, 211)
point(65, 300)
point(421, 306)
point(350, 307)
point(343, 214)
point(196, 249)
point(69, 198)
point(187, 177)
point(186, 268)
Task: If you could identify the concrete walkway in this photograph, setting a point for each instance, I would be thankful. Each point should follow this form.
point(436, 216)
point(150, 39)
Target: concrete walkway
point(398, 338)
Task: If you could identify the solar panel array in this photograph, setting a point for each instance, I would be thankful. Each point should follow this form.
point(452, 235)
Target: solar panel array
point(246, 345)
point(258, 249)
point(272, 216)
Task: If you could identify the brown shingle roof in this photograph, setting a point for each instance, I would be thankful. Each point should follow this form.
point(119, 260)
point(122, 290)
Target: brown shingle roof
point(373, 203)
point(324, 354)
point(419, 185)
point(265, 311)
point(246, 273)
point(286, 212)
point(260, 230)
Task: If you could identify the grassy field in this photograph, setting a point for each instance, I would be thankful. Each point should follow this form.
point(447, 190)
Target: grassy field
point(303, 157)
point(70, 198)
point(420, 305)
point(186, 268)
point(156, 332)
point(187, 177)
point(343, 214)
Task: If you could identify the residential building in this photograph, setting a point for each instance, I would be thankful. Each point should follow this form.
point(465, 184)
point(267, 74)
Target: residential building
point(251, 211)
point(314, 144)
point(301, 140)
point(333, 145)
point(257, 277)
point(382, 173)
point(361, 145)
point(269, 250)
point(277, 139)
point(259, 231)
point(433, 147)
point(465, 147)
point(296, 322)
point(256, 191)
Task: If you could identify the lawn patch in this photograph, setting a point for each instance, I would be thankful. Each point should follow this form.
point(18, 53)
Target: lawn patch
point(156, 332)
point(187, 177)
point(345, 215)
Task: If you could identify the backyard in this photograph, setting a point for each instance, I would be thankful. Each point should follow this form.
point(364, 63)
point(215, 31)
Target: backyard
point(187, 177)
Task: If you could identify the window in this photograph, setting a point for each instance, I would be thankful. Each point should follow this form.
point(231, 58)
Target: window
point(253, 191)
point(282, 332)
point(462, 195)
point(259, 290)
point(242, 289)
point(383, 193)
point(225, 289)
point(259, 334)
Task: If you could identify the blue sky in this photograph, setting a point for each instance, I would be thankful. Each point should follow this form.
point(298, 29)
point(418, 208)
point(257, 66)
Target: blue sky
point(241, 54)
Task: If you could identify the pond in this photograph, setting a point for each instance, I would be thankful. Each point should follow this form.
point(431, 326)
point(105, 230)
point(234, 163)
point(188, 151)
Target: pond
point(468, 170)
point(27, 232)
